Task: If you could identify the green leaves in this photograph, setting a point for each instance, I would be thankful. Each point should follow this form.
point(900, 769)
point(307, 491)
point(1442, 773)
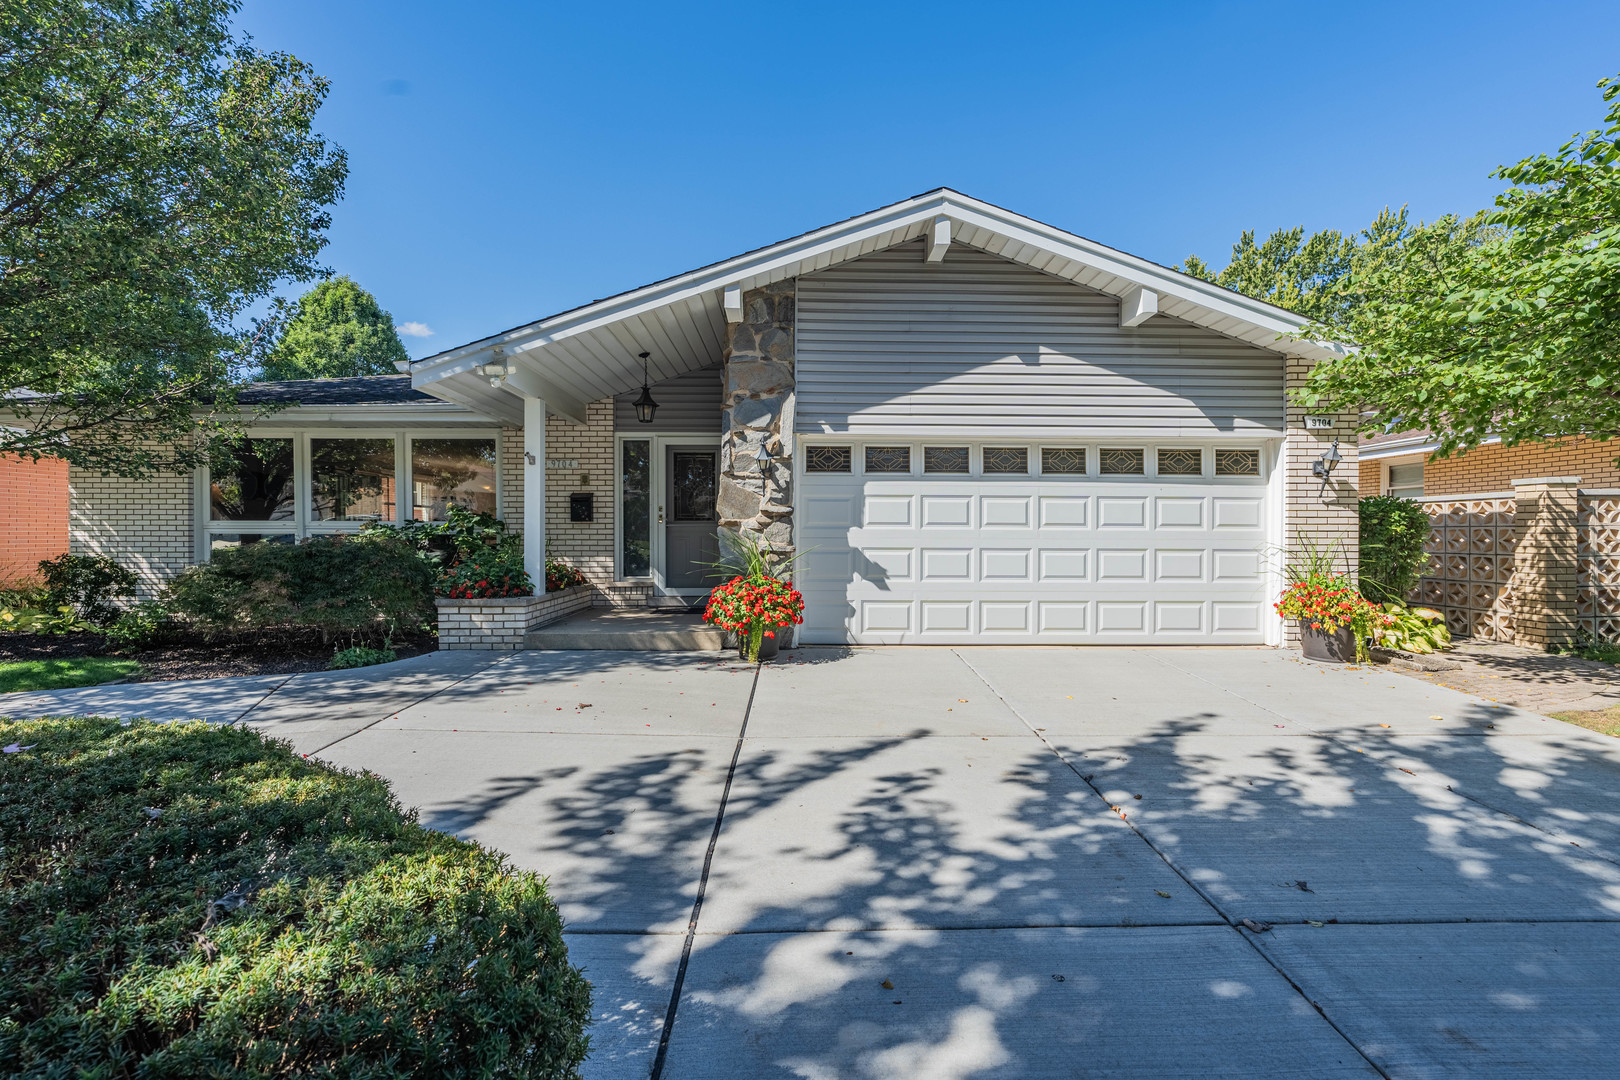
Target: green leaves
point(156, 178)
point(1506, 323)
point(335, 330)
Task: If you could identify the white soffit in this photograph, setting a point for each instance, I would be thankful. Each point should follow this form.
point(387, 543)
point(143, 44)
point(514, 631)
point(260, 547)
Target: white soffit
point(592, 352)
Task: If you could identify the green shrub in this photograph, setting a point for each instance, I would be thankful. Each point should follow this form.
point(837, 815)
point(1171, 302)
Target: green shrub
point(1414, 629)
point(1393, 532)
point(463, 532)
point(360, 656)
point(89, 583)
point(139, 626)
point(192, 900)
point(353, 589)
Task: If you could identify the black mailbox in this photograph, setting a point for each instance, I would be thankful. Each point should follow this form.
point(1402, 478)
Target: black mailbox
point(579, 507)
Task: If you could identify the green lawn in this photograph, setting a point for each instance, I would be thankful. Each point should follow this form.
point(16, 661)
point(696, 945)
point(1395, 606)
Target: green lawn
point(1606, 721)
point(60, 674)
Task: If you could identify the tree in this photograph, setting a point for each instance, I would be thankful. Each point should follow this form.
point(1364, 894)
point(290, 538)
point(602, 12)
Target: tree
point(1288, 270)
point(1506, 323)
point(335, 330)
point(157, 176)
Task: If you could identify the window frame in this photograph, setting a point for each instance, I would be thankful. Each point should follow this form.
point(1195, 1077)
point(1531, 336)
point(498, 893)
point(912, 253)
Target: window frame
point(303, 526)
point(1386, 481)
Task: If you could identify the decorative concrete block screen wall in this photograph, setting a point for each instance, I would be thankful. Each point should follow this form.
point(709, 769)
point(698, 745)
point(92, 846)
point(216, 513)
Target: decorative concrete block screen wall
point(1597, 580)
point(1534, 568)
point(1470, 572)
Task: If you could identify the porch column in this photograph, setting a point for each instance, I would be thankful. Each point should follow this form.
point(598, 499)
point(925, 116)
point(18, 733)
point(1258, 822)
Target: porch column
point(534, 492)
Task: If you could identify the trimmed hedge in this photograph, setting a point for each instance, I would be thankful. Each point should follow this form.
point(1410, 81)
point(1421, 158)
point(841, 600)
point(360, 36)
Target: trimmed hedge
point(1393, 532)
point(355, 589)
point(187, 900)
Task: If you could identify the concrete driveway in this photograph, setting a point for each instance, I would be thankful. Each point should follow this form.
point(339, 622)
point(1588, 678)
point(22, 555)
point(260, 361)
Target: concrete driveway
point(953, 863)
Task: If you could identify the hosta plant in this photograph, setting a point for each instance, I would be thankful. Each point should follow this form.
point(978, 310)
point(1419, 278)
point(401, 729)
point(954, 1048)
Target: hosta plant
point(754, 609)
point(1414, 629)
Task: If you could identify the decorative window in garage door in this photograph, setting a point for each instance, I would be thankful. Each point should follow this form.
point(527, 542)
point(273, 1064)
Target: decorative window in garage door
point(825, 459)
point(1237, 463)
point(1121, 462)
point(888, 459)
point(1181, 462)
point(945, 459)
point(1063, 460)
point(1006, 459)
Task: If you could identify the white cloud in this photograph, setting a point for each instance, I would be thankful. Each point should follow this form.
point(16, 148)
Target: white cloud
point(415, 329)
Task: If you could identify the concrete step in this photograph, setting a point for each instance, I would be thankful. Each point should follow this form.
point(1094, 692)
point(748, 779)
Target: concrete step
point(635, 630)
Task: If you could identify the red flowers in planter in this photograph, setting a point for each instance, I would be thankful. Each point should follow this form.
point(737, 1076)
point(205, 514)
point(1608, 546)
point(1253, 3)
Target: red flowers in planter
point(754, 607)
point(1328, 605)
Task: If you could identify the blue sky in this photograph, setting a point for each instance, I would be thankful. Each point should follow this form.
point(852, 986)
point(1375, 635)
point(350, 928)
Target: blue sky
point(510, 160)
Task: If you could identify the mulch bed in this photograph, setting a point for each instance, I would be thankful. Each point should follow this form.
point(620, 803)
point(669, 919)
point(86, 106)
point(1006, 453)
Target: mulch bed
point(196, 660)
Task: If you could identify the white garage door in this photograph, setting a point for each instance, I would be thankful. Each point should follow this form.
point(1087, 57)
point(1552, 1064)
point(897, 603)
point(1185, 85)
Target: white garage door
point(930, 545)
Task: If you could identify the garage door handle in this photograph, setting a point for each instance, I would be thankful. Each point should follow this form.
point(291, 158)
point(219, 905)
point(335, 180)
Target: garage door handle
point(660, 515)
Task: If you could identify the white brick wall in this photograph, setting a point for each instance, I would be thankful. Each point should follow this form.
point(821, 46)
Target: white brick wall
point(587, 545)
point(501, 624)
point(1330, 519)
point(146, 526)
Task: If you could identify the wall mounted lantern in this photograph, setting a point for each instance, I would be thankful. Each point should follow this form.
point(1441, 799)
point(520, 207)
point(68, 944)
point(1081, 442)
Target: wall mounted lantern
point(1323, 466)
point(645, 405)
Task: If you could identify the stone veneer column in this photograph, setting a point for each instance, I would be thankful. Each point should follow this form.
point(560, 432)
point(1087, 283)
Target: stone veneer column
point(1545, 561)
point(1312, 517)
point(758, 380)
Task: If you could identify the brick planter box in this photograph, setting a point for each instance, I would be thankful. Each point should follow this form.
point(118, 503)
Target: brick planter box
point(501, 624)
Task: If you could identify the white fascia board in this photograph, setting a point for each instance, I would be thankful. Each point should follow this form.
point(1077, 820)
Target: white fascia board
point(398, 415)
point(1407, 448)
point(769, 263)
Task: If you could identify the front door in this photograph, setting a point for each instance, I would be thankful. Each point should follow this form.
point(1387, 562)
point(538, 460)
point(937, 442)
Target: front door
point(691, 544)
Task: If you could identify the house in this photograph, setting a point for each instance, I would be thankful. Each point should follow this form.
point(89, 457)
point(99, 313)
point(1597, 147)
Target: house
point(35, 494)
point(1562, 495)
point(976, 427)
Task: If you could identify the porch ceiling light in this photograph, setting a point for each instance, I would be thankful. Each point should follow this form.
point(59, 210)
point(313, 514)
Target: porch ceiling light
point(645, 405)
point(496, 371)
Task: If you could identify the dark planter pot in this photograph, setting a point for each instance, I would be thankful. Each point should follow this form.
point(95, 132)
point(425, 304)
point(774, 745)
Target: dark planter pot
point(1335, 647)
point(768, 647)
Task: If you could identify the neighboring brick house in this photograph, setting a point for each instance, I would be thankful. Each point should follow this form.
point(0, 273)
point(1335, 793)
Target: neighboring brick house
point(1525, 540)
point(35, 495)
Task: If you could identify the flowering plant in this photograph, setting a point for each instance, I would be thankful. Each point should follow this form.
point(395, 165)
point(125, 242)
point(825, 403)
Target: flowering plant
point(559, 575)
point(754, 608)
point(1329, 602)
point(492, 572)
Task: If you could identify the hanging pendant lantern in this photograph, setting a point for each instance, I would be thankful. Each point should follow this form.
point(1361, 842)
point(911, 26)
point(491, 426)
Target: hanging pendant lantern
point(645, 405)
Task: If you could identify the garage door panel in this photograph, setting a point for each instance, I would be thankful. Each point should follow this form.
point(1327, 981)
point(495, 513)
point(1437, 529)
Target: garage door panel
point(1005, 512)
point(947, 564)
point(1064, 511)
point(1065, 565)
point(1064, 617)
point(1178, 617)
point(1118, 564)
point(1005, 564)
point(1173, 565)
point(956, 560)
point(886, 564)
point(1238, 513)
point(947, 511)
point(1000, 617)
point(1121, 512)
point(1178, 512)
point(947, 617)
point(887, 511)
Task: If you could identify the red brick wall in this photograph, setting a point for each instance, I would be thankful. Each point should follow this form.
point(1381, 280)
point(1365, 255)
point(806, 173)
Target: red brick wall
point(1493, 468)
point(35, 497)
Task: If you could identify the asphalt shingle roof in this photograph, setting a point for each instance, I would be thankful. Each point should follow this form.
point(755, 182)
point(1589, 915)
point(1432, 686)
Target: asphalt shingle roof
point(361, 390)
